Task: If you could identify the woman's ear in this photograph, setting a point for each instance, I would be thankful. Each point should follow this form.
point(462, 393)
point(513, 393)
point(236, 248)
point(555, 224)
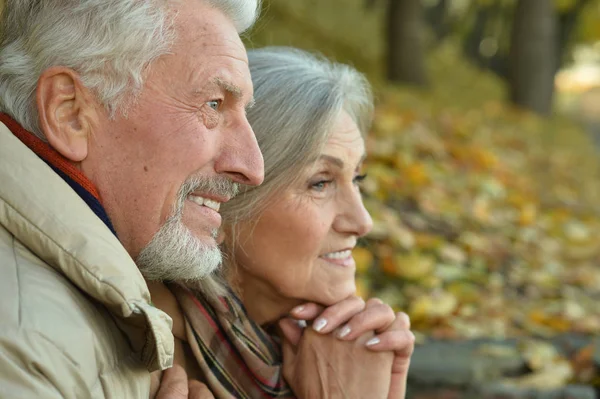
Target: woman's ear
point(66, 110)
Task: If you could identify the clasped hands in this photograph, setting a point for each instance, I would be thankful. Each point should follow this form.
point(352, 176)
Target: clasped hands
point(352, 349)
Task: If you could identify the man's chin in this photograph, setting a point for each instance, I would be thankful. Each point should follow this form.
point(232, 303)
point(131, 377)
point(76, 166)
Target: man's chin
point(178, 254)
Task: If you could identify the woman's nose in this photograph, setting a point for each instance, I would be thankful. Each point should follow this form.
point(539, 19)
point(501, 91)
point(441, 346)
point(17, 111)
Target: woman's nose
point(354, 218)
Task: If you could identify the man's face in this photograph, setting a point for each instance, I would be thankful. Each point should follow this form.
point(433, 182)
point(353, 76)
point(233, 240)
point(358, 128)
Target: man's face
point(163, 170)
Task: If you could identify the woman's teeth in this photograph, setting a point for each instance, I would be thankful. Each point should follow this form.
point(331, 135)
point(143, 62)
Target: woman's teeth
point(338, 255)
point(214, 205)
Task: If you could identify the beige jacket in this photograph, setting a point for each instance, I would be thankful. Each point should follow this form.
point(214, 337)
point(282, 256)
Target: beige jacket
point(75, 313)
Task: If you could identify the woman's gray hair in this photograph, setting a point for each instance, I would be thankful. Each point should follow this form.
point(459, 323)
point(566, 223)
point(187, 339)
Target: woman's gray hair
point(109, 43)
point(298, 98)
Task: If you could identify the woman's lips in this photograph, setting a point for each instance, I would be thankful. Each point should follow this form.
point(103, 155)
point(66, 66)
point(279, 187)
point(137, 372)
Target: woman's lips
point(341, 258)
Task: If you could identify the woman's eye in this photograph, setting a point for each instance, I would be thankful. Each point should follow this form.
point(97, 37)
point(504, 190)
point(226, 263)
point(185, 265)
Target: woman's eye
point(359, 179)
point(320, 185)
point(214, 104)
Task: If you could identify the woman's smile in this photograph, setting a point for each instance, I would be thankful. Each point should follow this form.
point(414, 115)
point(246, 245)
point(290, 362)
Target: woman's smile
point(341, 258)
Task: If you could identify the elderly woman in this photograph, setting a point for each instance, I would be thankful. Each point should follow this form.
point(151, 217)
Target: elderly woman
point(288, 251)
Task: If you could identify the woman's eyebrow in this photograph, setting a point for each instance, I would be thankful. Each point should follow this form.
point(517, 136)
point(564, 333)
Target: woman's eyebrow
point(332, 160)
point(338, 161)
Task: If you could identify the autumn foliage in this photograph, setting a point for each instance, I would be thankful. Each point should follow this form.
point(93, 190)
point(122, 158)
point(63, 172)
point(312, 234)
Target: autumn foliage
point(486, 220)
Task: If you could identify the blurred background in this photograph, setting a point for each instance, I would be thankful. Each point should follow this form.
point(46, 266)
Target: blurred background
point(483, 180)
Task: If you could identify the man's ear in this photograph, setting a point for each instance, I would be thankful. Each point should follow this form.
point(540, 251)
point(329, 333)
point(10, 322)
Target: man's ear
point(66, 110)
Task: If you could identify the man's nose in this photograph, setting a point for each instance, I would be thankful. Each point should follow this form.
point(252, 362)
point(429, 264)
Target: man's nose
point(241, 158)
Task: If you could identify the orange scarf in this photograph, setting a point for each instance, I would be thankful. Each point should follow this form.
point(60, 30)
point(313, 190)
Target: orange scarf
point(62, 166)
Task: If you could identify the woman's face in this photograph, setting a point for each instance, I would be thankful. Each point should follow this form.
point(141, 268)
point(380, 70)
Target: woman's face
point(300, 248)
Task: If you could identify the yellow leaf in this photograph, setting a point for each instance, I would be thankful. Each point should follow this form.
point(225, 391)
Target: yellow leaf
point(481, 209)
point(465, 292)
point(528, 214)
point(438, 305)
point(553, 377)
point(428, 241)
point(415, 174)
point(413, 266)
point(484, 158)
point(554, 321)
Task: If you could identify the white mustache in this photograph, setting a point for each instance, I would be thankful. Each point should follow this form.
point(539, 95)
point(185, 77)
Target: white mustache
point(220, 186)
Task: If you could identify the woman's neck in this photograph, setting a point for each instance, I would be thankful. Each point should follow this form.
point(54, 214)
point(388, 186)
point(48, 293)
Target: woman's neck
point(263, 304)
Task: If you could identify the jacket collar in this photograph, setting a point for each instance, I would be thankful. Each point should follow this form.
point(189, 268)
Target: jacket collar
point(63, 167)
point(53, 222)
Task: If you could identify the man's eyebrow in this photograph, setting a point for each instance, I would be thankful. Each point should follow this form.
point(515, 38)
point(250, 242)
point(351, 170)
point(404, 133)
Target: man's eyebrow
point(230, 88)
point(234, 90)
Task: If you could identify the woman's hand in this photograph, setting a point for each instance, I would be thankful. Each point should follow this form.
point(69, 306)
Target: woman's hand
point(326, 319)
point(321, 366)
point(351, 318)
point(399, 339)
point(352, 311)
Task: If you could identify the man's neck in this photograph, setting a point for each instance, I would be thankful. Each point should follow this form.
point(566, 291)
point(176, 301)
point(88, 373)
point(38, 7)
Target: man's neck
point(164, 299)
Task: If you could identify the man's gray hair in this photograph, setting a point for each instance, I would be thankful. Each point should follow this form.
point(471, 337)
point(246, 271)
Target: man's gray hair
point(109, 43)
point(298, 97)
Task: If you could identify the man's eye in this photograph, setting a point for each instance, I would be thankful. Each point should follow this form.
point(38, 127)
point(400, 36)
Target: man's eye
point(321, 185)
point(214, 104)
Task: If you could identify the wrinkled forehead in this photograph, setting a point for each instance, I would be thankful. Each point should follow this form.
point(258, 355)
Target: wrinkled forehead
point(345, 134)
point(197, 18)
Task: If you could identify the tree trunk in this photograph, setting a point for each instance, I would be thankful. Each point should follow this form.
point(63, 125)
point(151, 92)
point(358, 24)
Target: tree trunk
point(533, 55)
point(497, 63)
point(476, 34)
point(406, 63)
point(437, 19)
point(567, 23)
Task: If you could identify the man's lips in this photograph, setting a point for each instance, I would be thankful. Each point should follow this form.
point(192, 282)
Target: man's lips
point(207, 202)
point(208, 211)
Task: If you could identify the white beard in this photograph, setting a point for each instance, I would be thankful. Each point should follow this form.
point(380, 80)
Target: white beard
point(174, 253)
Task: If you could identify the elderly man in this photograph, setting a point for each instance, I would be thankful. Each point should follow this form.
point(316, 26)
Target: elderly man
point(123, 128)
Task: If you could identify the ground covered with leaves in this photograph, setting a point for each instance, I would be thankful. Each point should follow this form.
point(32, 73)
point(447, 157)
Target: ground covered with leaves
point(487, 224)
point(483, 226)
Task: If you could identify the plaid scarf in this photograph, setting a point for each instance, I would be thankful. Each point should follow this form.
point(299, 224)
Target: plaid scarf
point(63, 167)
point(236, 356)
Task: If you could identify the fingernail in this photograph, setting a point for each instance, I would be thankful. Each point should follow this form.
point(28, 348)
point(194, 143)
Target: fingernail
point(373, 341)
point(302, 323)
point(319, 324)
point(344, 331)
point(298, 309)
